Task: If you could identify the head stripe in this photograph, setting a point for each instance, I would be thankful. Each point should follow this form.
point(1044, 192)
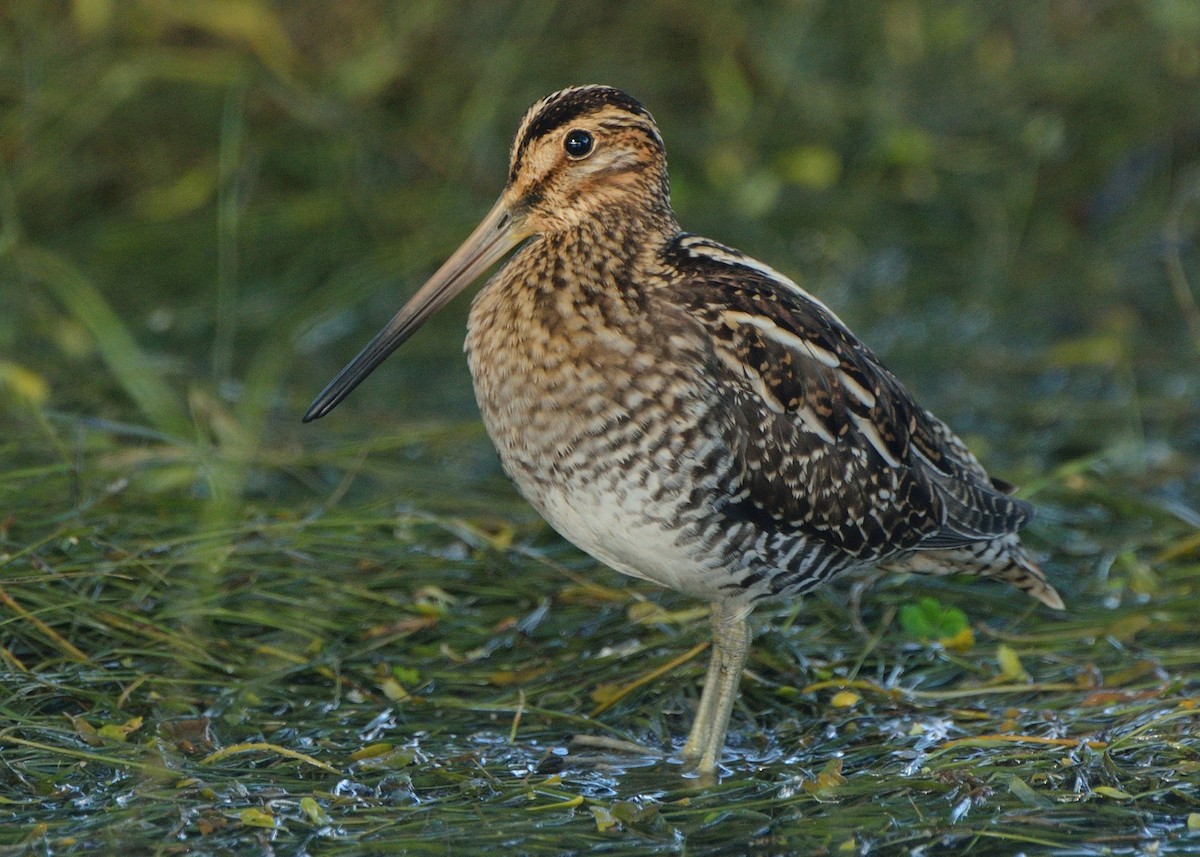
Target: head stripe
point(561, 108)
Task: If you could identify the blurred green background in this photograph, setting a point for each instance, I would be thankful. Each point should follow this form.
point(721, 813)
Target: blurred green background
point(208, 206)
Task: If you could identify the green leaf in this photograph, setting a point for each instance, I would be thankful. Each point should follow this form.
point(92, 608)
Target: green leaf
point(313, 811)
point(605, 820)
point(1025, 793)
point(253, 817)
point(1011, 668)
point(119, 731)
point(406, 675)
point(928, 620)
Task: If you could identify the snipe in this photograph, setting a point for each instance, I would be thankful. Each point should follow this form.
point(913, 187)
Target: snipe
point(684, 413)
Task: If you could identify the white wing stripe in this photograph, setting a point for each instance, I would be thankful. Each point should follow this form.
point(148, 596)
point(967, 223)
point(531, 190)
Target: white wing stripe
point(857, 390)
point(788, 340)
point(755, 380)
point(698, 246)
point(871, 433)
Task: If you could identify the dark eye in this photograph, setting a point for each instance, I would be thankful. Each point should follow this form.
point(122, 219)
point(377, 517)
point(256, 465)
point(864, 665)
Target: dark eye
point(579, 143)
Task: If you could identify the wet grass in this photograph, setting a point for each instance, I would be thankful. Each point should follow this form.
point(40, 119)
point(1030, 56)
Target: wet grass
point(222, 632)
point(340, 676)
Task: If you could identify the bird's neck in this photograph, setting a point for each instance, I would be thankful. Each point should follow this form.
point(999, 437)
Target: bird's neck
point(603, 251)
point(572, 282)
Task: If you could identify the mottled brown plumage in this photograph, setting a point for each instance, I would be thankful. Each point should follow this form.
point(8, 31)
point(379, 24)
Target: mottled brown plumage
point(684, 413)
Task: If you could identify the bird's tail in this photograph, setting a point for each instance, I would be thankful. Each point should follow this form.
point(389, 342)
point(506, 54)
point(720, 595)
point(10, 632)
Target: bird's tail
point(999, 559)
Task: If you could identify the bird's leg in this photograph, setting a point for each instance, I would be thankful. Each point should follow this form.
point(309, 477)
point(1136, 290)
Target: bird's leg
point(702, 722)
point(731, 643)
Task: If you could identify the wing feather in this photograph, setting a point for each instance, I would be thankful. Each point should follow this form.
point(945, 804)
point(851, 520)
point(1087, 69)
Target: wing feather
point(831, 443)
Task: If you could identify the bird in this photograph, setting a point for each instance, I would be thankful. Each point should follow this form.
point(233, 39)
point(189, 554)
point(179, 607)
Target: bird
point(684, 413)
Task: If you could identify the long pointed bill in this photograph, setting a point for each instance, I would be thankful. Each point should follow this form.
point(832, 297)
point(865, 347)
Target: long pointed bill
point(498, 233)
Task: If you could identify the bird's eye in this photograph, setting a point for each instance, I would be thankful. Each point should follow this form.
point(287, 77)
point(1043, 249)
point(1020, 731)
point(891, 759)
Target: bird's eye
point(579, 143)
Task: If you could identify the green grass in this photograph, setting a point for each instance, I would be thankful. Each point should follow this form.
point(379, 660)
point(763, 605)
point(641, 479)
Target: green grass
point(222, 632)
point(367, 676)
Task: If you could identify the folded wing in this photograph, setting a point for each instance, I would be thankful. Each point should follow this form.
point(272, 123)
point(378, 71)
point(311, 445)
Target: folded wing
point(831, 443)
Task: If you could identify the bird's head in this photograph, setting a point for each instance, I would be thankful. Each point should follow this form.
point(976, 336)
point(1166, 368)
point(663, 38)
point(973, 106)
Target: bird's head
point(581, 154)
point(585, 155)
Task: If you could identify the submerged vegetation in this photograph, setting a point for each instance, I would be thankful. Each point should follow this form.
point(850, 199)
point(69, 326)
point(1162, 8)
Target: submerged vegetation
point(225, 632)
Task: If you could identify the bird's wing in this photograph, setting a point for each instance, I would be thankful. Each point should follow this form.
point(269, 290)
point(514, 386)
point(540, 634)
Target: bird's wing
point(830, 443)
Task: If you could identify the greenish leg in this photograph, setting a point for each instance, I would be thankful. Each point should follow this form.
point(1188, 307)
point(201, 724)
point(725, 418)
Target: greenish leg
point(731, 643)
point(702, 723)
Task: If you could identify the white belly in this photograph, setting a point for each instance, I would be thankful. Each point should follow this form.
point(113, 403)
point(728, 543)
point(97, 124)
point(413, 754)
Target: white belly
point(621, 534)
